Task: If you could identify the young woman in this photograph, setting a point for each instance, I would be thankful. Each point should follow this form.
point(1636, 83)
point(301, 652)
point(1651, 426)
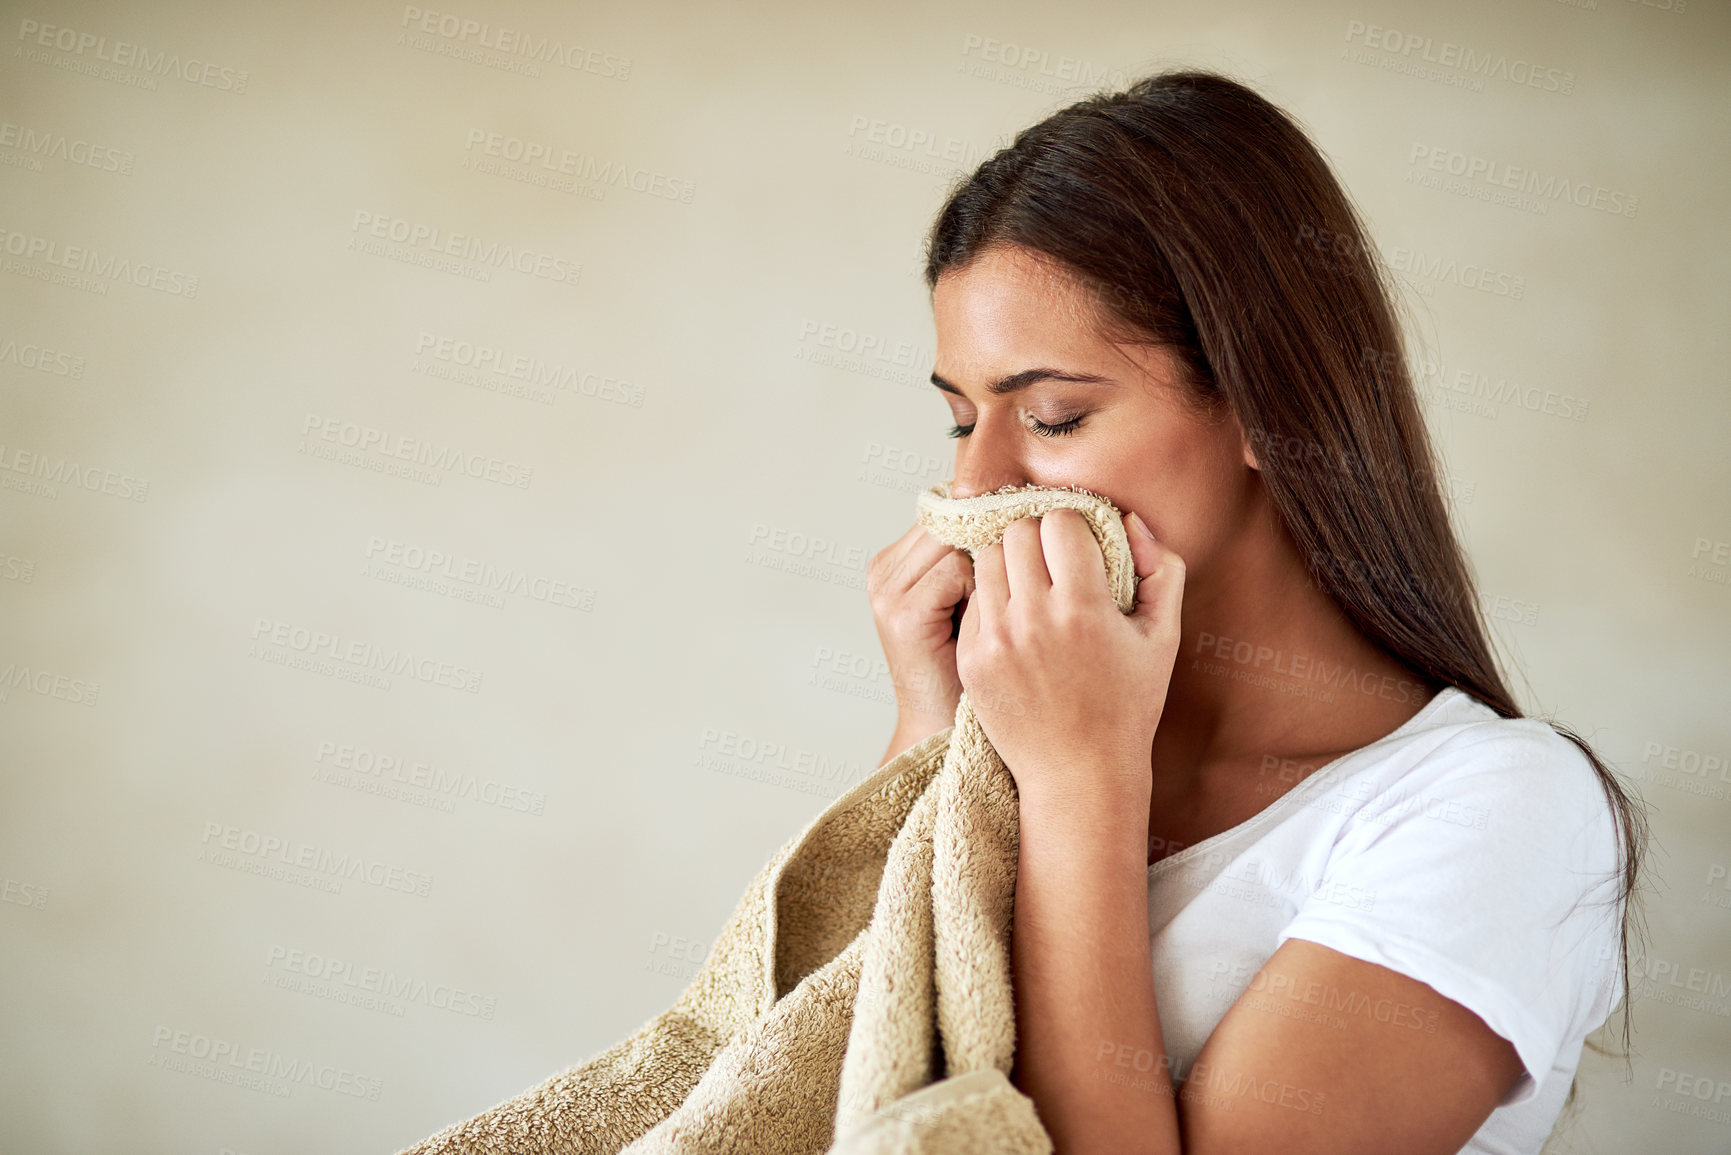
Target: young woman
point(1296, 874)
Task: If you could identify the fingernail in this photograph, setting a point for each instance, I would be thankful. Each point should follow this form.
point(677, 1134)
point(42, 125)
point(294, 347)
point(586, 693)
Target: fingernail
point(1141, 525)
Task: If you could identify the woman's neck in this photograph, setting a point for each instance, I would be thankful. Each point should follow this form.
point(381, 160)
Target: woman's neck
point(1269, 666)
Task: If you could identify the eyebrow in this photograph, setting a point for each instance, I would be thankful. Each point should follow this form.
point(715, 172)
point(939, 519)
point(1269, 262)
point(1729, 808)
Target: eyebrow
point(1025, 378)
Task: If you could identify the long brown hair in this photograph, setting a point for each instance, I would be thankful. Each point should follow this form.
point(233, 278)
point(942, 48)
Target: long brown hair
point(1200, 217)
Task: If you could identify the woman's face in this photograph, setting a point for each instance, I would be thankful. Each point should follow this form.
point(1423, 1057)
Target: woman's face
point(1123, 431)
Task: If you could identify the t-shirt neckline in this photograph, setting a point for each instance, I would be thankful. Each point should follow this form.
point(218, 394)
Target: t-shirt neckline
point(1279, 805)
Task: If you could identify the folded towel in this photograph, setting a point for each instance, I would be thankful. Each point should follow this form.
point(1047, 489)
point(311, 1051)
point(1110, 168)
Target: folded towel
point(858, 1001)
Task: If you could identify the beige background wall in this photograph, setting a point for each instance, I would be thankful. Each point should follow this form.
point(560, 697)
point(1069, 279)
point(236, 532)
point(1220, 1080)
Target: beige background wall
point(680, 411)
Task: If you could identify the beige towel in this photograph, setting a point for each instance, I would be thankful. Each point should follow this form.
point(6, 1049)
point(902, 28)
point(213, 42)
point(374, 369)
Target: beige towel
point(858, 1000)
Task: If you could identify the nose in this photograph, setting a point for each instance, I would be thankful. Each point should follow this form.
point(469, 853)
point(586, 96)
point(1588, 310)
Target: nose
point(984, 469)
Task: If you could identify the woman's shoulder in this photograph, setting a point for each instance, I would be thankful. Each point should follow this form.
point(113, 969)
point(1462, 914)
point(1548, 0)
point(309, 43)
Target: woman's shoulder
point(1467, 743)
point(1505, 818)
point(1509, 789)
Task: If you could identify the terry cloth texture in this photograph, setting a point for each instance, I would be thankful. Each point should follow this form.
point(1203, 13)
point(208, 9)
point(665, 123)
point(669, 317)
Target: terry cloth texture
point(858, 1001)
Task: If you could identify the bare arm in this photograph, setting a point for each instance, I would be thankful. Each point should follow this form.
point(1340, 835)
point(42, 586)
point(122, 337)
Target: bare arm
point(911, 732)
point(1419, 1079)
point(1084, 981)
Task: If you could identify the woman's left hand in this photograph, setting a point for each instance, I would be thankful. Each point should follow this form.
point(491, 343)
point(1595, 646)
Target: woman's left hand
point(1068, 687)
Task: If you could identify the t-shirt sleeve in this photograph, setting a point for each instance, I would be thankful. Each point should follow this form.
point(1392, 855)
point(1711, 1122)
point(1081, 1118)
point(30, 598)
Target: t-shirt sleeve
point(1487, 870)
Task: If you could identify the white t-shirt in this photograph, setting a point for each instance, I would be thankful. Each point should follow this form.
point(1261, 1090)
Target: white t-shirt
point(1472, 852)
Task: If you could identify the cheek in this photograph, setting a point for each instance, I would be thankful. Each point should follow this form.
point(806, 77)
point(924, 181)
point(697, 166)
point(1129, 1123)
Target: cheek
point(1191, 506)
point(1206, 516)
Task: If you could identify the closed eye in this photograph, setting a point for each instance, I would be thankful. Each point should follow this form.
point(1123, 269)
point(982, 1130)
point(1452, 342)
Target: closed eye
point(1035, 425)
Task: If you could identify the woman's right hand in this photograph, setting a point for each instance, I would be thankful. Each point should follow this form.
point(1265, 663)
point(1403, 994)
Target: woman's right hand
point(918, 586)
